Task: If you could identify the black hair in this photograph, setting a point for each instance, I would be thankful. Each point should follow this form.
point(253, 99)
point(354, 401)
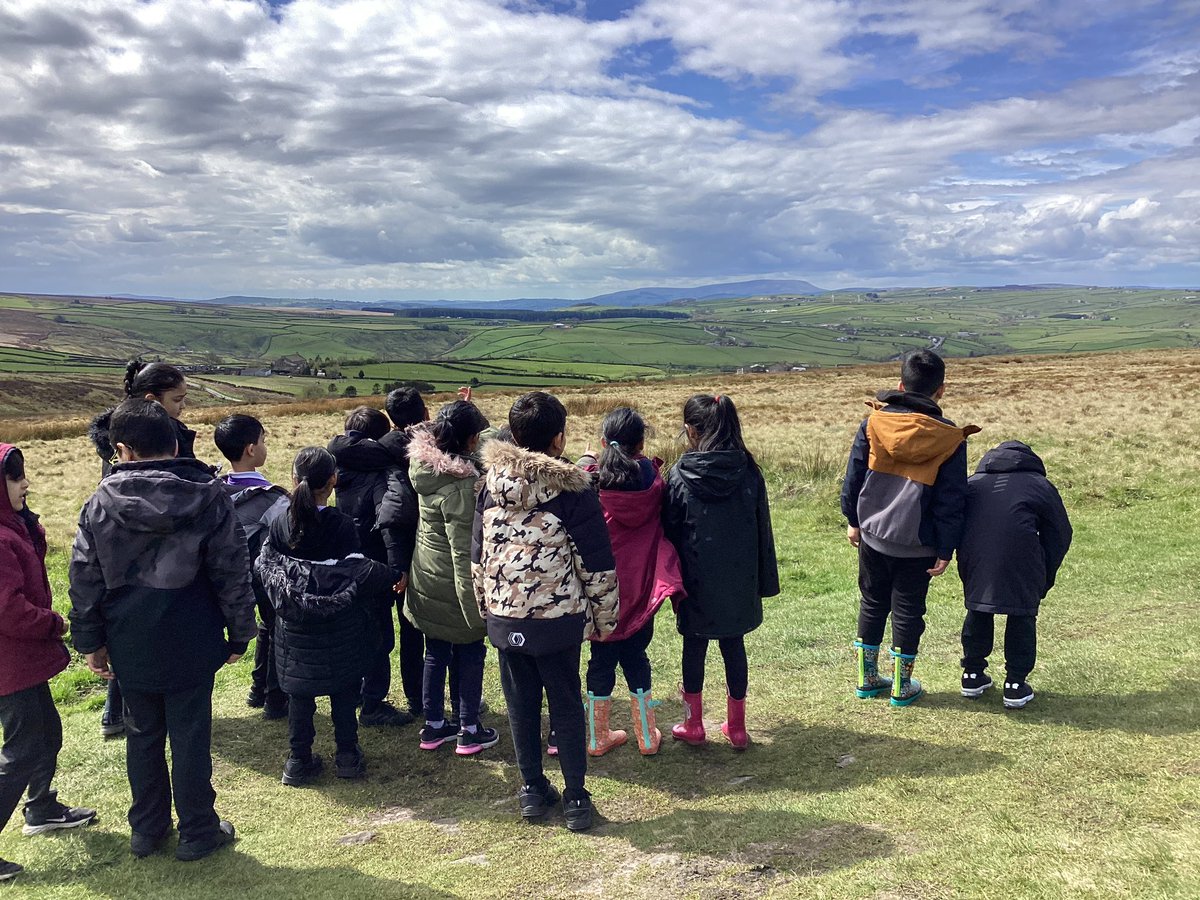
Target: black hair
point(622, 431)
point(715, 419)
point(235, 433)
point(313, 468)
point(536, 419)
point(456, 423)
point(14, 465)
point(370, 422)
point(144, 427)
point(405, 406)
point(151, 378)
point(923, 372)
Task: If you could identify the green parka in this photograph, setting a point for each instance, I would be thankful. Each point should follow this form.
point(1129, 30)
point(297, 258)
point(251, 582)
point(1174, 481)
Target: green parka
point(440, 599)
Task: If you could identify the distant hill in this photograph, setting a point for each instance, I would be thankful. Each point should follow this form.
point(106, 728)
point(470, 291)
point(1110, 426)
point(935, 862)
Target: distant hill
point(649, 296)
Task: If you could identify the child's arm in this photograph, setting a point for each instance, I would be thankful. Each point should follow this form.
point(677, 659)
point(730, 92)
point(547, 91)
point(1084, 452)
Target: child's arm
point(948, 506)
point(87, 590)
point(482, 502)
point(768, 566)
point(227, 564)
point(856, 474)
point(459, 512)
point(18, 617)
point(594, 563)
point(1054, 532)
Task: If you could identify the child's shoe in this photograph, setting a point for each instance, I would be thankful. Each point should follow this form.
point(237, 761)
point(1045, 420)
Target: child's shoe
point(578, 813)
point(256, 698)
point(9, 869)
point(190, 851)
point(552, 744)
point(975, 683)
point(112, 720)
point(298, 772)
point(600, 738)
point(143, 845)
point(870, 682)
point(691, 729)
point(472, 742)
point(1017, 694)
point(350, 763)
point(536, 801)
point(641, 708)
point(383, 715)
point(433, 736)
point(906, 690)
point(275, 708)
point(734, 726)
point(60, 818)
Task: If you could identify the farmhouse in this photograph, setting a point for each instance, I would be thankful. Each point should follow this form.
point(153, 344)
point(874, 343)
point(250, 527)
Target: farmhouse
point(290, 365)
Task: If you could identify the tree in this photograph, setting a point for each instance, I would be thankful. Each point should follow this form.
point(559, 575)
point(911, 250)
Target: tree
point(361, 374)
point(332, 388)
point(351, 391)
point(376, 389)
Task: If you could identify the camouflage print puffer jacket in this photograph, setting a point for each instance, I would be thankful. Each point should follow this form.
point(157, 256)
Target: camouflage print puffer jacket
point(542, 564)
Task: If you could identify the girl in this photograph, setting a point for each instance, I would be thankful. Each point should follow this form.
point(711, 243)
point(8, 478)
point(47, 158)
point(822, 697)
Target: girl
point(440, 600)
point(167, 385)
point(31, 653)
point(631, 493)
point(326, 598)
point(717, 517)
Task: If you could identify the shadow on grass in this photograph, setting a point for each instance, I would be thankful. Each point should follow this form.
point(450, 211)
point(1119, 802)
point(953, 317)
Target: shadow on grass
point(1167, 712)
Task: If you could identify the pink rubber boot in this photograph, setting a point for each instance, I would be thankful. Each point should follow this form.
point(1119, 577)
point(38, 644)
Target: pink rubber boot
point(691, 729)
point(734, 727)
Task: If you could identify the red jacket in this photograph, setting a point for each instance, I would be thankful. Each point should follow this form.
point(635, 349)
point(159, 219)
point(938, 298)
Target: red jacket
point(31, 647)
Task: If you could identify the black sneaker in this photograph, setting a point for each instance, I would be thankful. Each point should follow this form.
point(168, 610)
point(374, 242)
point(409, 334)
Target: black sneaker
point(190, 851)
point(299, 772)
point(384, 715)
point(432, 738)
point(350, 763)
point(63, 817)
point(975, 683)
point(1017, 694)
point(9, 870)
point(273, 709)
point(472, 742)
point(144, 845)
point(578, 813)
point(112, 722)
point(256, 698)
point(536, 802)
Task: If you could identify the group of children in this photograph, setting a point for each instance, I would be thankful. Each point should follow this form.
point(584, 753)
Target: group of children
point(479, 535)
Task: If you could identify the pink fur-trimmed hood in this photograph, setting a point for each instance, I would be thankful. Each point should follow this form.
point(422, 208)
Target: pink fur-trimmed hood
point(431, 467)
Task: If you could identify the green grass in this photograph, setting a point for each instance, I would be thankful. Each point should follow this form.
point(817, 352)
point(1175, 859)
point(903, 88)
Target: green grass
point(1091, 791)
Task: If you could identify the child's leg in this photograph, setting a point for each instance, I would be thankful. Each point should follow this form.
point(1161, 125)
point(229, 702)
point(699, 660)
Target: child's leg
point(470, 659)
point(342, 710)
point(378, 680)
point(189, 724)
point(559, 673)
point(412, 662)
point(978, 633)
point(28, 741)
point(910, 586)
point(43, 799)
point(146, 763)
point(522, 685)
point(695, 649)
point(300, 725)
point(602, 667)
point(737, 668)
point(875, 594)
point(437, 659)
point(634, 661)
point(1020, 647)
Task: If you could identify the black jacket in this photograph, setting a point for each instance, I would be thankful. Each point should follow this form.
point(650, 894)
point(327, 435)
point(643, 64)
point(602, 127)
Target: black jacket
point(159, 573)
point(1017, 533)
point(716, 515)
point(364, 467)
point(326, 627)
point(399, 511)
point(256, 507)
point(98, 432)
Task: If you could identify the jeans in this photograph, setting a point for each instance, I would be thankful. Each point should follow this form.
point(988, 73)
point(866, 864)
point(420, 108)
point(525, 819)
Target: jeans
point(466, 688)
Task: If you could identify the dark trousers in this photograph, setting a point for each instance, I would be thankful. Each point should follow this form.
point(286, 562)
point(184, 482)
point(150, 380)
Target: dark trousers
point(629, 653)
point(733, 652)
point(378, 680)
point(263, 676)
point(301, 730)
point(185, 717)
point(466, 661)
point(32, 739)
point(113, 700)
point(1020, 643)
point(524, 678)
point(895, 585)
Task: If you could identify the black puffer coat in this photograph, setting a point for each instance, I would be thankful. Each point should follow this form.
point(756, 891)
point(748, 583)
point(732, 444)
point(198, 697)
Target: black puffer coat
point(1017, 533)
point(399, 511)
point(716, 515)
point(363, 470)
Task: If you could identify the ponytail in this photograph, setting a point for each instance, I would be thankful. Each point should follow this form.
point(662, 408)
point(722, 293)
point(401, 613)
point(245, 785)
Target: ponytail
point(313, 468)
point(622, 431)
point(716, 421)
point(454, 426)
point(154, 378)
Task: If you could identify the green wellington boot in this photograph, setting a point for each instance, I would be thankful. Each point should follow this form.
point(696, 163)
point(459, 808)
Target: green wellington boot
point(905, 689)
point(870, 682)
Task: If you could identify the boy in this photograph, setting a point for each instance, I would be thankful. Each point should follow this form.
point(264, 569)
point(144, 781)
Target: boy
point(159, 572)
point(903, 497)
point(545, 577)
point(31, 653)
point(243, 441)
point(1016, 536)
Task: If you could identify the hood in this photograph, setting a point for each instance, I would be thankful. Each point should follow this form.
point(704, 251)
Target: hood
point(431, 468)
point(908, 399)
point(396, 442)
point(522, 479)
point(6, 510)
point(25, 522)
point(310, 591)
point(158, 496)
point(633, 509)
point(98, 433)
point(353, 451)
point(913, 438)
point(1011, 456)
point(713, 474)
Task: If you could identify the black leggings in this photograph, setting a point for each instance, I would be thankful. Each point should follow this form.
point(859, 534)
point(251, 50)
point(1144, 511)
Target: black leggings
point(733, 651)
point(630, 653)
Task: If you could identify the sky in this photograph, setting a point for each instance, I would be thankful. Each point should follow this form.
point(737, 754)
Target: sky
point(374, 149)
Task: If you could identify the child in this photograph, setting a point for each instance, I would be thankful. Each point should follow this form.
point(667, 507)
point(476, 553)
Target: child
point(31, 653)
point(1016, 536)
point(631, 493)
point(440, 600)
point(364, 468)
point(903, 497)
point(243, 441)
point(159, 573)
point(166, 385)
point(326, 597)
point(545, 577)
point(716, 515)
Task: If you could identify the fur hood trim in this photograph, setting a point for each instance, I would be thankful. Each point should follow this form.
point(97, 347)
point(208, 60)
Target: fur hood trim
point(423, 451)
point(521, 479)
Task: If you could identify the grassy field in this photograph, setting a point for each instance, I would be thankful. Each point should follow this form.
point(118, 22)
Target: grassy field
point(1092, 791)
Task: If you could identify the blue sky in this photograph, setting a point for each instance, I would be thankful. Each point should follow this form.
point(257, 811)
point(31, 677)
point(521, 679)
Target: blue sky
point(367, 149)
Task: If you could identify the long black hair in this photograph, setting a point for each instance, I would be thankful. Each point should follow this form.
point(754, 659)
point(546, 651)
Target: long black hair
point(716, 421)
point(454, 426)
point(622, 431)
point(313, 468)
point(142, 378)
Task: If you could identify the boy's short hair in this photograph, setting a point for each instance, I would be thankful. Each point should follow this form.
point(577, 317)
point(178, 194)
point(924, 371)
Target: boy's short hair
point(368, 421)
point(923, 372)
point(235, 433)
point(536, 419)
point(144, 427)
point(405, 406)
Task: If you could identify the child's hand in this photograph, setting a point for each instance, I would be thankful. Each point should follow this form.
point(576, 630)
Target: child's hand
point(233, 657)
point(402, 585)
point(853, 535)
point(464, 393)
point(939, 568)
point(97, 662)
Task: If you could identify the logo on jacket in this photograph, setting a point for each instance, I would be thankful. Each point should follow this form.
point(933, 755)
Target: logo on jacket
point(516, 639)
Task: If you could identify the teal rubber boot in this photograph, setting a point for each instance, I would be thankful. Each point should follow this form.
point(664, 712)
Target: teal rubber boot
point(906, 690)
point(870, 682)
